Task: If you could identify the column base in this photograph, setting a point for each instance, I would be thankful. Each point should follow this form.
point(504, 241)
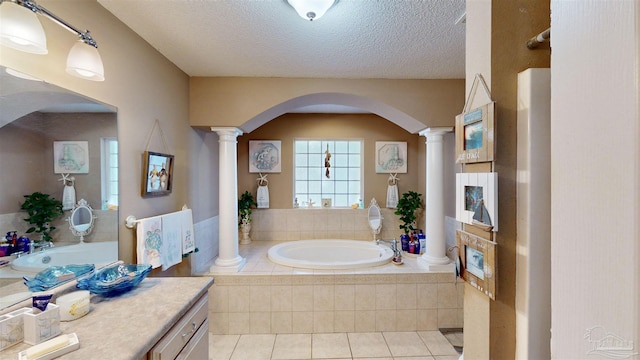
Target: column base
point(436, 264)
point(228, 266)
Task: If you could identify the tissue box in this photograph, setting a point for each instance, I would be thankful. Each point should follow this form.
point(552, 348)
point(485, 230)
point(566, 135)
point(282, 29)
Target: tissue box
point(12, 328)
point(42, 326)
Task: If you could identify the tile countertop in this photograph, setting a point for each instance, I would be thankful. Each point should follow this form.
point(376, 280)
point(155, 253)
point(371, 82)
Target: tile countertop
point(129, 325)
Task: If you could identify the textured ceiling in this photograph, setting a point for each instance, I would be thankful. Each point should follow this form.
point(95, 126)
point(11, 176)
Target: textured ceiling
point(396, 39)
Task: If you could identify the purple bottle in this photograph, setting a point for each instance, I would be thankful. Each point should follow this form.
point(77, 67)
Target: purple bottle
point(404, 241)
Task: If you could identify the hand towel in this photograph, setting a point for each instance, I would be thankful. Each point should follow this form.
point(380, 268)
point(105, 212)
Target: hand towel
point(392, 196)
point(171, 252)
point(68, 197)
point(149, 241)
point(188, 238)
point(263, 197)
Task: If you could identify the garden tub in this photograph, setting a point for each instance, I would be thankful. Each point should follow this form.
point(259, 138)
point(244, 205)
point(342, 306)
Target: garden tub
point(330, 254)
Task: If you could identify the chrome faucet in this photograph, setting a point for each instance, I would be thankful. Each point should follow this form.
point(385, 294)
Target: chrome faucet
point(393, 244)
point(33, 246)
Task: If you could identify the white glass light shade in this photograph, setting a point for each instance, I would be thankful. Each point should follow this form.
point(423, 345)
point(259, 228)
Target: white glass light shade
point(20, 29)
point(311, 9)
point(20, 74)
point(84, 61)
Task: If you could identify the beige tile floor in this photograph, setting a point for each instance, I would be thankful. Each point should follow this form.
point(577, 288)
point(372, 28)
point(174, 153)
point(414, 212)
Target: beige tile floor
point(416, 345)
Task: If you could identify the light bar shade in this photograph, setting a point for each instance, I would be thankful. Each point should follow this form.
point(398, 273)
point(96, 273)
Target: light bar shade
point(311, 9)
point(20, 29)
point(84, 61)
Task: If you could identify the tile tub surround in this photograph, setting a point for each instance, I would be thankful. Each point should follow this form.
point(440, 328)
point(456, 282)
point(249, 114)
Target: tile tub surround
point(105, 227)
point(265, 298)
point(319, 223)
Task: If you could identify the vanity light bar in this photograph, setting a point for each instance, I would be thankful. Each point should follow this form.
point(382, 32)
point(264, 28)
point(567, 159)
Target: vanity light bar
point(81, 62)
point(33, 6)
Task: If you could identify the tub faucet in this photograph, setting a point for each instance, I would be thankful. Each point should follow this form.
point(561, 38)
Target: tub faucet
point(393, 244)
point(39, 245)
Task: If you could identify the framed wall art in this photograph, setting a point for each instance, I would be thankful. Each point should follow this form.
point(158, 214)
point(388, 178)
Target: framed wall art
point(475, 135)
point(477, 200)
point(391, 157)
point(265, 156)
point(478, 259)
point(71, 157)
point(157, 174)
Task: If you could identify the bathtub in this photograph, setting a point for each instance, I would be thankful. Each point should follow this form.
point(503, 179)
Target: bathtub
point(99, 253)
point(330, 254)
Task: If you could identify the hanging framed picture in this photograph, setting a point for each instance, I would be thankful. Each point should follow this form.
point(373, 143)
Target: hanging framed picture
point(391, 157)
point(475, 135)
point(478, 259)
point(71, 157)
point(477, 200)
point(265, 156)
point(157, 174)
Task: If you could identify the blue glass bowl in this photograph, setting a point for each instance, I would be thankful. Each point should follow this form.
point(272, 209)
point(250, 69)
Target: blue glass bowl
point(56, 275)
point(115, 279)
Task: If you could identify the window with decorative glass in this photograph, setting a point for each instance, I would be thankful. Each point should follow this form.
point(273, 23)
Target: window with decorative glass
point(328, 172)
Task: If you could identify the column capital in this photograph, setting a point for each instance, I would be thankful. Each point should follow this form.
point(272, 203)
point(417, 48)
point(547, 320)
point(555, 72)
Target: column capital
point(227, 131)
point(435, 131)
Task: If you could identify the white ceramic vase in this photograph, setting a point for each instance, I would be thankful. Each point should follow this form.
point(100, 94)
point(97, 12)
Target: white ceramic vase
point(245, 229)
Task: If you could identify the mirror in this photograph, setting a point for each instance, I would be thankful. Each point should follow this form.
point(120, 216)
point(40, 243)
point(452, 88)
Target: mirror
point(81, 219)
point(375, 218)
point(33, 115)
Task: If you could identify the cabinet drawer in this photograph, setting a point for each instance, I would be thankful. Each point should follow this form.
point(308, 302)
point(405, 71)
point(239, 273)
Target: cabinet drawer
point(198, 347)
point(173, 341)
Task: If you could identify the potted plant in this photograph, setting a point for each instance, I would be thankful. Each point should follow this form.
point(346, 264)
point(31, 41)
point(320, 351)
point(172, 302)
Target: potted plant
point(407, 208)
point(245, 203)
point(42, 209)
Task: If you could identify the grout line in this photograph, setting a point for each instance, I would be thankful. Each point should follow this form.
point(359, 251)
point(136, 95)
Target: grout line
point(348, 341)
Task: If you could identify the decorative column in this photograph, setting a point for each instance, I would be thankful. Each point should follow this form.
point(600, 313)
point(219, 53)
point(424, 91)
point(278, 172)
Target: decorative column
point(229, 259)
point(435, 255)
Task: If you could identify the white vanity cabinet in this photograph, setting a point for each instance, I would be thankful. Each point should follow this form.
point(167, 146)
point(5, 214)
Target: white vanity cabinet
point(188, 338)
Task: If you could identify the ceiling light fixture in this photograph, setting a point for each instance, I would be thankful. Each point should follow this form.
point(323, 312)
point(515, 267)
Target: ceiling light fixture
point(311, 9)
point(20, 29)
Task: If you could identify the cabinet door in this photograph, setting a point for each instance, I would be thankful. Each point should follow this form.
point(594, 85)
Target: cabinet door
point(198, 347)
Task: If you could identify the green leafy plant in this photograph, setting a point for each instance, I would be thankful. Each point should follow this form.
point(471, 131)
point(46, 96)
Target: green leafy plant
point(245, 203)
point(406, 208)
point(42, 209)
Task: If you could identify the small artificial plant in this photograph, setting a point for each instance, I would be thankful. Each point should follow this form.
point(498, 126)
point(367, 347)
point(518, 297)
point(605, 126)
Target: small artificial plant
point(245, 203)
point(42, 209)
point(406, 208)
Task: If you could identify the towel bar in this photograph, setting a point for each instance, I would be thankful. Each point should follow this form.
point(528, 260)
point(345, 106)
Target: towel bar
point(131, 221)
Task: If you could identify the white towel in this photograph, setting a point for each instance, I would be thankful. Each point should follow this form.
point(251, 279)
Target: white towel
point(263, 197)
point(188, 238)
point(68, 197)
point(149, 241)
point(392, 196)
point(171, 250)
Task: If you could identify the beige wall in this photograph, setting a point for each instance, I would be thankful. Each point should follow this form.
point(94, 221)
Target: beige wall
point(27, 155)
point(143, 86)
point(369, 127)
point(248, 103)
point(499, 55)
